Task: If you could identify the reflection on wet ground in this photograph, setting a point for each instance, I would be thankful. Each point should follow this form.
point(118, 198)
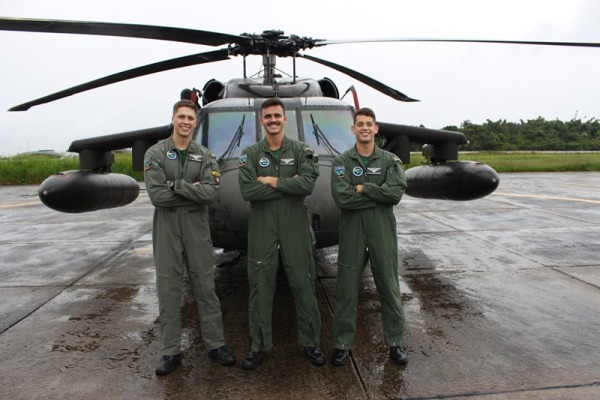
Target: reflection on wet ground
point(501, 295)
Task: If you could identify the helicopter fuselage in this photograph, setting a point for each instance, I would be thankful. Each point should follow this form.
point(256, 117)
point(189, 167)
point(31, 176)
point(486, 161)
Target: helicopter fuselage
point(228, 126)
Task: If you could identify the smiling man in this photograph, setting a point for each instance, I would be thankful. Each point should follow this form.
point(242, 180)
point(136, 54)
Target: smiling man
point(182, 178)
point(275, 176)
point(366, 183)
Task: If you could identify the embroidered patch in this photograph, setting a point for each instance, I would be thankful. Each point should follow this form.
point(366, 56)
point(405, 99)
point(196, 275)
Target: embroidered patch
point(196, 157)
point(243, 159)
point(357, 171)
point(287, 161)
point(340, 171)
point(147, 163)
point(171, 155)
point(264, 162)
point(373, 171)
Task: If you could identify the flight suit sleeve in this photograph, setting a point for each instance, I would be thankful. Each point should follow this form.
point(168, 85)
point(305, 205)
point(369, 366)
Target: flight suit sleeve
point(156, 183)
point(344, 195)
point(250, 187)
point(308, 172)
point(391, 191)
point(205, 189)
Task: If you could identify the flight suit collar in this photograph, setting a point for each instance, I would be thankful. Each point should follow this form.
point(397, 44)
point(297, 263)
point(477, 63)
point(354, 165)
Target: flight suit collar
point(264, 146)
point(192, 148)
point(354, 153)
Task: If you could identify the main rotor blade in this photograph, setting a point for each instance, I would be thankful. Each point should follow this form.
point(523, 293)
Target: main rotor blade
point(393, 93)
point(195, 59)
point(120, 29)
point(526, 42)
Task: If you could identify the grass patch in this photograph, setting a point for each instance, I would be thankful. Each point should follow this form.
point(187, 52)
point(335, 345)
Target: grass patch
point(33, 169)
point(528, 161)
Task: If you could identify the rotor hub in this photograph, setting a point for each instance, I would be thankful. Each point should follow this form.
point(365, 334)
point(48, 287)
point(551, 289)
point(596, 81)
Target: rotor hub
point(272, 42)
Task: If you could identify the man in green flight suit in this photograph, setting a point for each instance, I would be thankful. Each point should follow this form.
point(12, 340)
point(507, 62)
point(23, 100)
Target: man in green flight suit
point(366, 183)
point(275, 175)
point(182, 178)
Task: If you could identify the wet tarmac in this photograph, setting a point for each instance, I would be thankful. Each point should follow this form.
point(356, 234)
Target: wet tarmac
point(502, 299)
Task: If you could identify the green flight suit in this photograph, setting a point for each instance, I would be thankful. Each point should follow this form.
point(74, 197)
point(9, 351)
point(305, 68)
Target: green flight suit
point(278, 225)
point(367, 231)
point(181, 238)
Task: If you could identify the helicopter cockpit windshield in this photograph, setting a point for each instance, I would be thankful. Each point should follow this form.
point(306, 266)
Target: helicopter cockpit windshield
point(328, 131)
point(228, 132)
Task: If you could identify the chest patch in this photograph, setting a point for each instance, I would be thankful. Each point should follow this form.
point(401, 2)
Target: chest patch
point(287, 161)
point(171, 155)
point(357, 171)
point(373, 171)
point(264, 162)
point(196, 157)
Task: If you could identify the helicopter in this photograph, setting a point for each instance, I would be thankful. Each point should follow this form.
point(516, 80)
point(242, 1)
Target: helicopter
point(228, 121)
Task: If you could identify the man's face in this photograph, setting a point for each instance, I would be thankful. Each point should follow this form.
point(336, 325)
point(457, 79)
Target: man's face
point(184, 122)
point(273, 120)
point(365, 129)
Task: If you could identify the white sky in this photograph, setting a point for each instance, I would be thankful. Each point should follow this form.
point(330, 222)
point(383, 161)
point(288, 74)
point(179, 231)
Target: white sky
point(455, 82)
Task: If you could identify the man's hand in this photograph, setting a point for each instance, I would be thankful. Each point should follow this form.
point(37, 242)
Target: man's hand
point(268, 181)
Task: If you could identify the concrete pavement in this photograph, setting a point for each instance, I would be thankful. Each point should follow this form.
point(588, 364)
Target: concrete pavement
point(502, 298)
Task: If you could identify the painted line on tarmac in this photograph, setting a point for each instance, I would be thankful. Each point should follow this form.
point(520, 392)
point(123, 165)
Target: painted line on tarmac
point(534, 196)
point(28, 203)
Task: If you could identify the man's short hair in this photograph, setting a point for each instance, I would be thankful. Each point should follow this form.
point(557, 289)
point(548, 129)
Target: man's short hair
point(272, 102)
point(367, 112)
point(184, 103)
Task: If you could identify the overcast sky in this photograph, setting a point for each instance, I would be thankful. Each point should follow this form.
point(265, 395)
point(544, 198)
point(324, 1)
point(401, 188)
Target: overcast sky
point(455, 82)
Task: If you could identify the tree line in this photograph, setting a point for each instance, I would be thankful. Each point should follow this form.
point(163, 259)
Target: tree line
point(531, 135)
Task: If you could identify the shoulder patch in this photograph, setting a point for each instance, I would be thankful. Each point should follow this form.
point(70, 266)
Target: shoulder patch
point(340, 171)
point(148, 163)
point(243, 159)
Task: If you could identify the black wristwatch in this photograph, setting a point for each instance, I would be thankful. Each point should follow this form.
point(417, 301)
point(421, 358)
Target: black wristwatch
point(172, 185)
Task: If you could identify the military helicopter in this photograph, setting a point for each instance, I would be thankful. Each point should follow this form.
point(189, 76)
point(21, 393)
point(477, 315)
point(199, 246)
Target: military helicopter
point(228, 121)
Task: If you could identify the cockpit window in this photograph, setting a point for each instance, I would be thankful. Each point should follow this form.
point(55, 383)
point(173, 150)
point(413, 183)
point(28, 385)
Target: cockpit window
point(226, 134)
point(328, 131)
